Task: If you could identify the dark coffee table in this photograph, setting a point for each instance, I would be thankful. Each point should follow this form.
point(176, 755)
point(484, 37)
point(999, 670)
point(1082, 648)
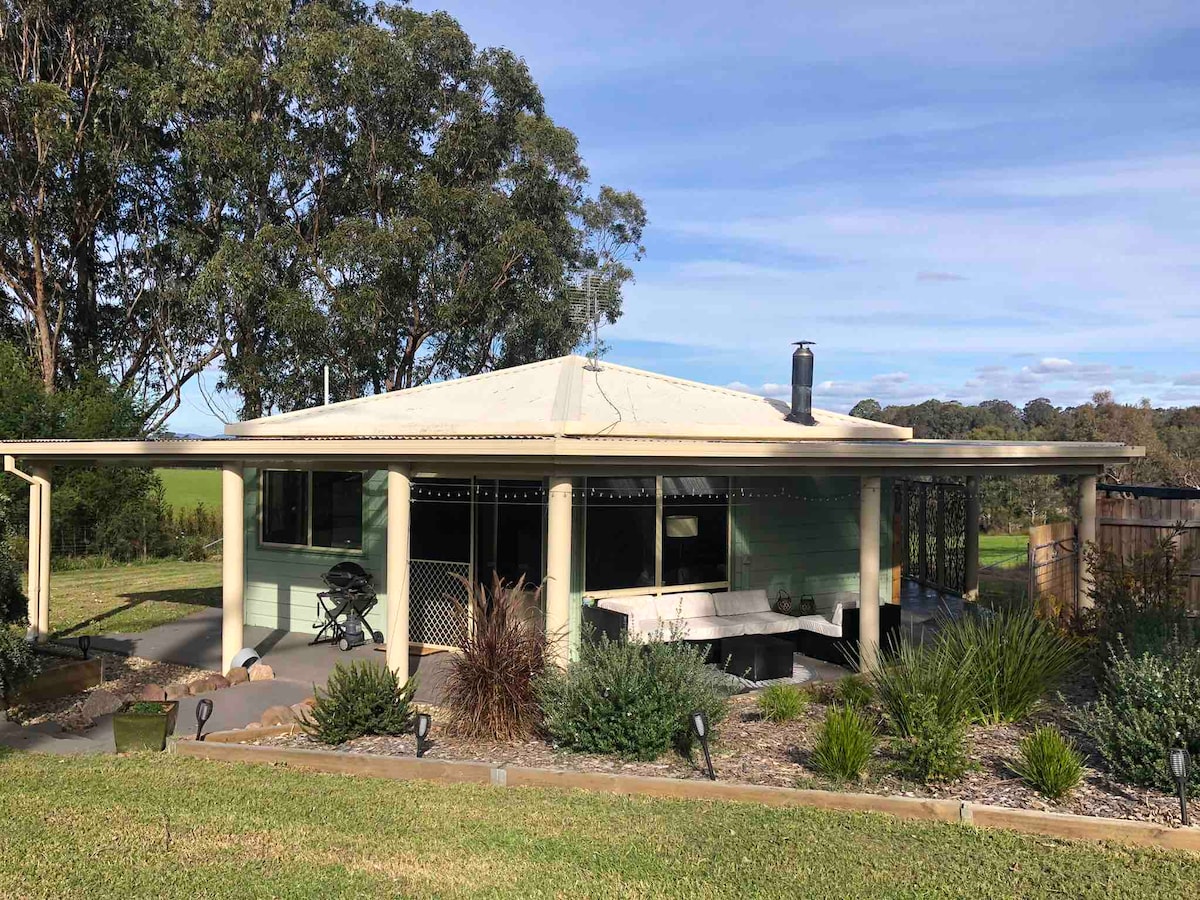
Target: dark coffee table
point(758, 657)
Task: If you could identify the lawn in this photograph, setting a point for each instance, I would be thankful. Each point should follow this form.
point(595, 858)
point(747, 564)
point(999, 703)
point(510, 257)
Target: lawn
point(1007, 550)
point(166, 827)
point(131, 597)
point(186, 488)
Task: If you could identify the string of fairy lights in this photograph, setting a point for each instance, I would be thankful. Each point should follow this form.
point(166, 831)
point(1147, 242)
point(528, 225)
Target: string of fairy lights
point(463, 492)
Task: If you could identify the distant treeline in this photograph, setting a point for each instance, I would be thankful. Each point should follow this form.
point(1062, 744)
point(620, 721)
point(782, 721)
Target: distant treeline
point(1171, 437)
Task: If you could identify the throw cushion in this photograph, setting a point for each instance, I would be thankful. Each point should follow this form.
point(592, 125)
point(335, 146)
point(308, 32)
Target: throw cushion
point(733, 603)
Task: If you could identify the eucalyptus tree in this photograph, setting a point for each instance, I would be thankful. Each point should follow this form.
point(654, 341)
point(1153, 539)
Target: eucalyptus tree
point(419, 214)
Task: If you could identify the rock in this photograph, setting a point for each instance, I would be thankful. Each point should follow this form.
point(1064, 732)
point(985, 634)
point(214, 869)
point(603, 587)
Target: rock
point(100, 703)
point(309, 701)
point(301, 711)
point(278, 715)
point(176, 691)
point(250, 726)
point(261, 672)
point(238, 675)
point(206, 683)
point(152, 692)
point(75, 720)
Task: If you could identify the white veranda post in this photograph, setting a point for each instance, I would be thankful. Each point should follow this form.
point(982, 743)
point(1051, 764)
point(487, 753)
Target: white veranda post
point(233, 569)
point(399, 515)
point(868, 572)
point(558, 569)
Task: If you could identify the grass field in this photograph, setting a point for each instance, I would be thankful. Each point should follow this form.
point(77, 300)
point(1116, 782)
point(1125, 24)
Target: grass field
point(131, 597)
point(1002, 548)
point(167, 827)
point(185, 488)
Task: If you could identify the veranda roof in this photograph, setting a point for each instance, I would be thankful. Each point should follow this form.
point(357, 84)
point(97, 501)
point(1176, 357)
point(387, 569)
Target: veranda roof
point(561, 415)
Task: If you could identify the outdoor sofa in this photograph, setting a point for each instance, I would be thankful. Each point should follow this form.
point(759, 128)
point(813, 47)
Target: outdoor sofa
point(702, 616)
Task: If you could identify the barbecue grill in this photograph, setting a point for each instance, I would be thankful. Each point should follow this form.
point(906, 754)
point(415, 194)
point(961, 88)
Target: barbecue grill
point(344, 607)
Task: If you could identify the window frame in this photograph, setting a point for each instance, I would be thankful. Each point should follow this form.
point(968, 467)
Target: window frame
point(658, 589)
point(309, 547)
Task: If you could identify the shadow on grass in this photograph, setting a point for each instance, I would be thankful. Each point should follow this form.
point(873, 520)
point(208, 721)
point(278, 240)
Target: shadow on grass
point(201, 598)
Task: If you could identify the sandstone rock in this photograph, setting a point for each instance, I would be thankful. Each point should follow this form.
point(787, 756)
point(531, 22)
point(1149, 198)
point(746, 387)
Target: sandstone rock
point(238, 675)
point(206, 683)
point(100, 703)
point(261, 672)
point(278, 715)
point(176, 691)
point(252, 725)
point(152, 692)
point(75, 720)
point(301, 711)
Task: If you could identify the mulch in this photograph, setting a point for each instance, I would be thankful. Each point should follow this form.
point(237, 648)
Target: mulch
point(750, 750)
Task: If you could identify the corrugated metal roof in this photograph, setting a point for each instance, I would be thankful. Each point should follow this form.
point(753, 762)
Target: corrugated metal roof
point(563, 398)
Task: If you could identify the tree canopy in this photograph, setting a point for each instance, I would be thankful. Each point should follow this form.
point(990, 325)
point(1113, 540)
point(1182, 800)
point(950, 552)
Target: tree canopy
point(269, 186)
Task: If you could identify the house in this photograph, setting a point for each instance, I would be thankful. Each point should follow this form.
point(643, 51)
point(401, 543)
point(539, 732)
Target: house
point(593, 480)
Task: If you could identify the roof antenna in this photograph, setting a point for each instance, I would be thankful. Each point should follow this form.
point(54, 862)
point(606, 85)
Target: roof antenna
point(590, 299)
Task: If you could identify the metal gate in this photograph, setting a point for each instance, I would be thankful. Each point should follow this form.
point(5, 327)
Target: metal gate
point(933, 523)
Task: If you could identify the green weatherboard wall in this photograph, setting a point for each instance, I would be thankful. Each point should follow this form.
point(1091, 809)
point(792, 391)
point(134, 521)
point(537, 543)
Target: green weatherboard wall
point(799, 535)
point(282, 582)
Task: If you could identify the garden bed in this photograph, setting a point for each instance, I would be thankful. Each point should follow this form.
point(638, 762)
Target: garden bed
point(750, 750)
point(123, 675)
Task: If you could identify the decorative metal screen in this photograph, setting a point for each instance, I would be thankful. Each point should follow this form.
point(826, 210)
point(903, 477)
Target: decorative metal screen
point(933, 516)
point(437, 602)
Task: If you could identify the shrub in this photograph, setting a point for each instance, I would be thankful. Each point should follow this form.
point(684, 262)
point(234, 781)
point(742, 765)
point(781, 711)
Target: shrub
point(630, 699)
point(782, 703)
point(1142, 597)
point(1011, 659)
point(18, 662)
point(491, 690)
point(935, 749)
point(13, 607)
point(854, 690)
point(1049, 763)
point(845, 744)
point(920, 678)
point(361, 698)
point(1147, 700)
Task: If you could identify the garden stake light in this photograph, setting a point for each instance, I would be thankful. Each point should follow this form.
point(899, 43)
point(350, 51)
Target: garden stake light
point(424, 723)
point(1179, 764)
point(204, 710)
point(85, 644)
point(700, 727)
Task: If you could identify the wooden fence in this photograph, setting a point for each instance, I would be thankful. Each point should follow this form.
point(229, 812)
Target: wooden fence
point(1129, 524)
point(1052, 565)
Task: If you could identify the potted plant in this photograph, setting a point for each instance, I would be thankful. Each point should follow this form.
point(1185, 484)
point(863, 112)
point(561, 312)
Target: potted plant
point(144, 725)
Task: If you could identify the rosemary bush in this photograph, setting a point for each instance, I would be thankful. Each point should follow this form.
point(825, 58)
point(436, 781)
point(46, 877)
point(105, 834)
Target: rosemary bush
point(361, 698)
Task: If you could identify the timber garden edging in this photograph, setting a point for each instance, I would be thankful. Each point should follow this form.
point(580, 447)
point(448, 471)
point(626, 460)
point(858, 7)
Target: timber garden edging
point(227, 746)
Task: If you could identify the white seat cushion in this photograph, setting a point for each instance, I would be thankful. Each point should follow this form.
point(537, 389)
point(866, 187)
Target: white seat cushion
point(820, 625)
point(736, 603)
point(688, 605)
point(766, 622)
point(703, 628)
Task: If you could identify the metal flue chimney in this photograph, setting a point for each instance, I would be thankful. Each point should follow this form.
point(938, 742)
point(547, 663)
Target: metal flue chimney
point(802, 382)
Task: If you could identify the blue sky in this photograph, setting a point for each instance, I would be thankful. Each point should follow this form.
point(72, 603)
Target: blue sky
point(962, 200)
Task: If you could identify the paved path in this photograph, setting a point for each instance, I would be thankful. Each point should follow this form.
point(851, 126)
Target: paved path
point(195, 641)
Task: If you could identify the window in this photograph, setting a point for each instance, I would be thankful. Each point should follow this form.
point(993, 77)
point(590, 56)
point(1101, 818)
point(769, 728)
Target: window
point(621, 528)
point(656, 533)
point(312, 509)
point(695, 530)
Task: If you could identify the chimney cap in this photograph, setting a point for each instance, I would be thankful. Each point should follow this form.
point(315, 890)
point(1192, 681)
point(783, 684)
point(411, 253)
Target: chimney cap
point(804, 343)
